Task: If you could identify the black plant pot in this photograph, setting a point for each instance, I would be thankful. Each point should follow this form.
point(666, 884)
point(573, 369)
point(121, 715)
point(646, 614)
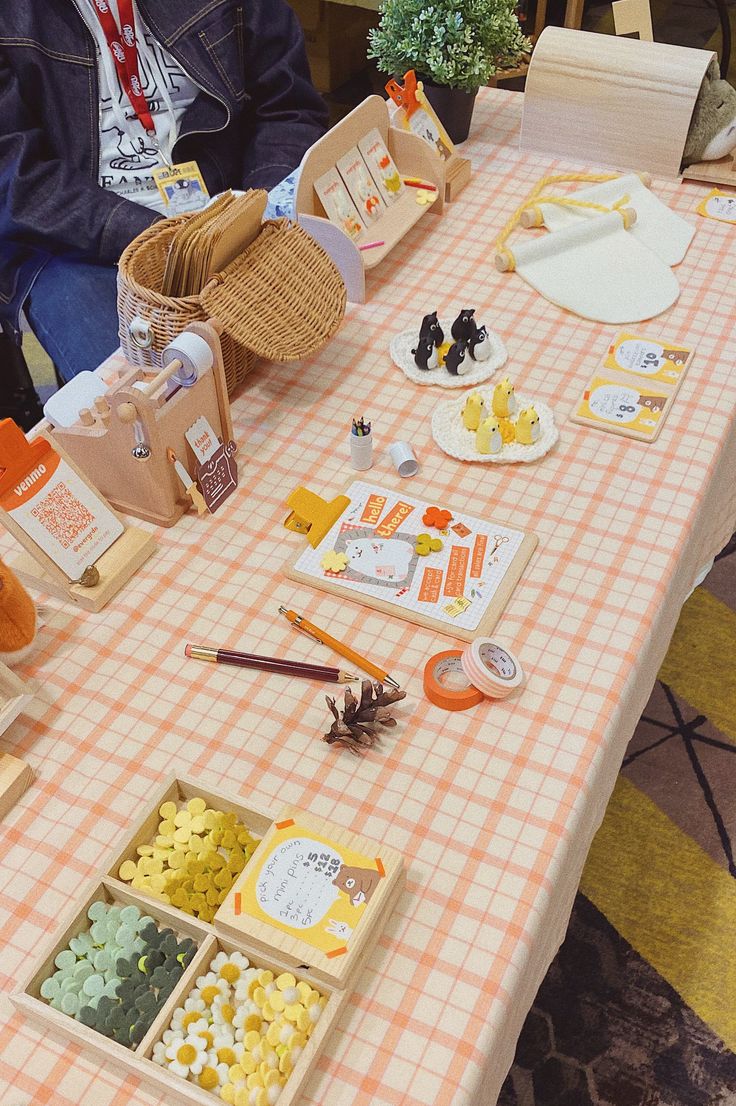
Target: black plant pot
point(453, 106)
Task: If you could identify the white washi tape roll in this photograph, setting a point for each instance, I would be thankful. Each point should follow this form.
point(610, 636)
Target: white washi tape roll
point(194, 353)
point(492, 668)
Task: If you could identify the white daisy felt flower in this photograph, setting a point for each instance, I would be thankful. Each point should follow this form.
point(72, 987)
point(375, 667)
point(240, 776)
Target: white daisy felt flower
point(187, 1056)
point(206, 980)
point(217, 988)
point(224, 1037)
point(223, 1011)
point(192, 1010)
point(230, 968)
point(159, 1053)
point(220, 1067)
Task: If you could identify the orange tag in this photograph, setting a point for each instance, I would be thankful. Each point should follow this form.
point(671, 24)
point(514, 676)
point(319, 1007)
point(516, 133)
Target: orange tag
point(429, 590)
point(457, 570)
point(479, 553)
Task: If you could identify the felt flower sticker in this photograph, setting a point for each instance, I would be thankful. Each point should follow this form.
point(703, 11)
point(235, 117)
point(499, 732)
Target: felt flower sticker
point(424, 196)
point(187, 1055)
point(334, 561)
point(426, 545)
point(437, 517)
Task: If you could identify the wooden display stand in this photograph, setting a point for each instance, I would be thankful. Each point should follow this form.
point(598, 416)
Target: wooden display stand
point(15, 774)
point(148, 488)
point(266, 950)
point(115, 566)
point(413, 158)
point(618, 102)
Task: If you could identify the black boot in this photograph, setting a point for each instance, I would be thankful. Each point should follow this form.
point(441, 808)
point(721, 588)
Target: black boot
point(18, 399)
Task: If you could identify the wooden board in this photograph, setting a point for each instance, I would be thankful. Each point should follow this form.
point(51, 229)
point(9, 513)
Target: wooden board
point(722, 171)
point(603, 100)
point(14, 694)
point(383, 868)
point(495, 607)
point(15, 779)
point(636, 381)
point(137, 1062)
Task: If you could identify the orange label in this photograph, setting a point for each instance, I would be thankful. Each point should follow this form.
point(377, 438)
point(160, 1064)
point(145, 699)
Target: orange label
point(394, 519)
point(30, 484)
point(457, 570)
point(373, 508)
point(429, 591)
point(479, 554)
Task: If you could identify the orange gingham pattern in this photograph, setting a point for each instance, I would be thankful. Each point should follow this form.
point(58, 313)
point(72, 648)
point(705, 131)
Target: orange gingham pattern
point(493, 809)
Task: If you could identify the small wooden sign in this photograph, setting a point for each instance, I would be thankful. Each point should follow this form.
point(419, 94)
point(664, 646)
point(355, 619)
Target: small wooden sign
point(315, 892)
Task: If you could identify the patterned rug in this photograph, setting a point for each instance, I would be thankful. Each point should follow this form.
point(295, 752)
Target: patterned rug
point(639, 1006)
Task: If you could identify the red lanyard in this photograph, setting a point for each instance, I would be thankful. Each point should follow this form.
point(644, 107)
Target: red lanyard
point(124, 50)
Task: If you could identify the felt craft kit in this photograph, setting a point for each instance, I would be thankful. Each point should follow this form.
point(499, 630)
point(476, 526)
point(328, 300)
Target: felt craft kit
point(591, 263)
point(215, 955)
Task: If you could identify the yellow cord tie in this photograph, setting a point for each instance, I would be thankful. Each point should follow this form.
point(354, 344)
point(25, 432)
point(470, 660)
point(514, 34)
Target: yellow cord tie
point(503, 252)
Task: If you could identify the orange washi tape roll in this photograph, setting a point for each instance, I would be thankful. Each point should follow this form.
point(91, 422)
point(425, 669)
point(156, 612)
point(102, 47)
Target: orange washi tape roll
point(446, 684)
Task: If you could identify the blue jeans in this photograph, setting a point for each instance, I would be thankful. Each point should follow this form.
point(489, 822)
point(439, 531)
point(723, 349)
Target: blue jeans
point(73, 312)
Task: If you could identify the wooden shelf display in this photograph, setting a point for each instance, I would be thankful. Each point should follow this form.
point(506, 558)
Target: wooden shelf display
point(268, 943)
point(413, 158)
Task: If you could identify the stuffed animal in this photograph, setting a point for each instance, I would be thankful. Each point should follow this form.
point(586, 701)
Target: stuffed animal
point(488, 436)
point(712, 132)
point(504, 400)
point(17, 618)
point(425, 355)
point(474, 411)
point(527, 428)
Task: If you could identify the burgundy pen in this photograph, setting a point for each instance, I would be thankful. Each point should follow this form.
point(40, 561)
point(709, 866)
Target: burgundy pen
point(269, 664)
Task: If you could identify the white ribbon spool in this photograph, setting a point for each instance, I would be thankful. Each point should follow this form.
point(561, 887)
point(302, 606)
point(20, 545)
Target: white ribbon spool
point(195, 356)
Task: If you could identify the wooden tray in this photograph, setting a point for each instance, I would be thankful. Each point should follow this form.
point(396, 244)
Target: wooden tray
point(139, 1061)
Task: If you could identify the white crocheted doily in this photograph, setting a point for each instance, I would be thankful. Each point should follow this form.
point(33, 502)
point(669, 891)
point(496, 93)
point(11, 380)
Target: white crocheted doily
point(452, 437)
point(403, 344)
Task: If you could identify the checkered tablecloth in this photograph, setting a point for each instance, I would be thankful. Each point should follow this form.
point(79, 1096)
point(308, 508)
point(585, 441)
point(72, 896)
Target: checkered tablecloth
point(494, 809)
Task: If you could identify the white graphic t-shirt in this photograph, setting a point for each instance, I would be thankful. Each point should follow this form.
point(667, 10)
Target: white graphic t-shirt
point(128, 155)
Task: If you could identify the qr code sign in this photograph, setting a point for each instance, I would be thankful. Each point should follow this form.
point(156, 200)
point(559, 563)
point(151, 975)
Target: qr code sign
point(62, 514)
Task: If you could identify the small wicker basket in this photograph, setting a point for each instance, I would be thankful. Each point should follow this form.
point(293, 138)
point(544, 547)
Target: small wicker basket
point(281, 299)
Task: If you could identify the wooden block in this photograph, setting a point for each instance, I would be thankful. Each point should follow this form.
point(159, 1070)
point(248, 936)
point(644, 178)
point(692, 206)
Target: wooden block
point(722, 171)
point(15, 779)
point(603, 100)
point(374, 867)
point(633, 17)
point(14, 694)
point(458, 173)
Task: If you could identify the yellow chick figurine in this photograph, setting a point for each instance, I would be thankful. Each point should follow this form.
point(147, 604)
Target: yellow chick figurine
point(488, 436)
point(504, 400)
point(527, 428)
point(473, 411)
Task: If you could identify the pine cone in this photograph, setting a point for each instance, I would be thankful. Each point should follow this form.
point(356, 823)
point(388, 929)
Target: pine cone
point(356, 726)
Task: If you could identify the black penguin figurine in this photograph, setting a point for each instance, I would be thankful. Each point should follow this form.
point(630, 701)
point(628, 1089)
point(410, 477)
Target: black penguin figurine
point(425, 355)
point(455, 358)
point(431, 328)
point(464, 326)
point(479, 346)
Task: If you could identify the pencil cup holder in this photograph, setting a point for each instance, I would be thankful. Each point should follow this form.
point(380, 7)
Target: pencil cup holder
point(361, 452)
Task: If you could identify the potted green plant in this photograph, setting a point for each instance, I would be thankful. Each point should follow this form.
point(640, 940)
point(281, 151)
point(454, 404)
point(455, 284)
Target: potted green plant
point(453, 45)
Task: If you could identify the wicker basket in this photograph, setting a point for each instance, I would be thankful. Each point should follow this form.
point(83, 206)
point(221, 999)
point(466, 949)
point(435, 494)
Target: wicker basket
point(162, 318)
point(281, 299)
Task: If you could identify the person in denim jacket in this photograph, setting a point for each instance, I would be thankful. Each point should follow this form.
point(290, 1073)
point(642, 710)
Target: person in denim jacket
point(227, 85)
